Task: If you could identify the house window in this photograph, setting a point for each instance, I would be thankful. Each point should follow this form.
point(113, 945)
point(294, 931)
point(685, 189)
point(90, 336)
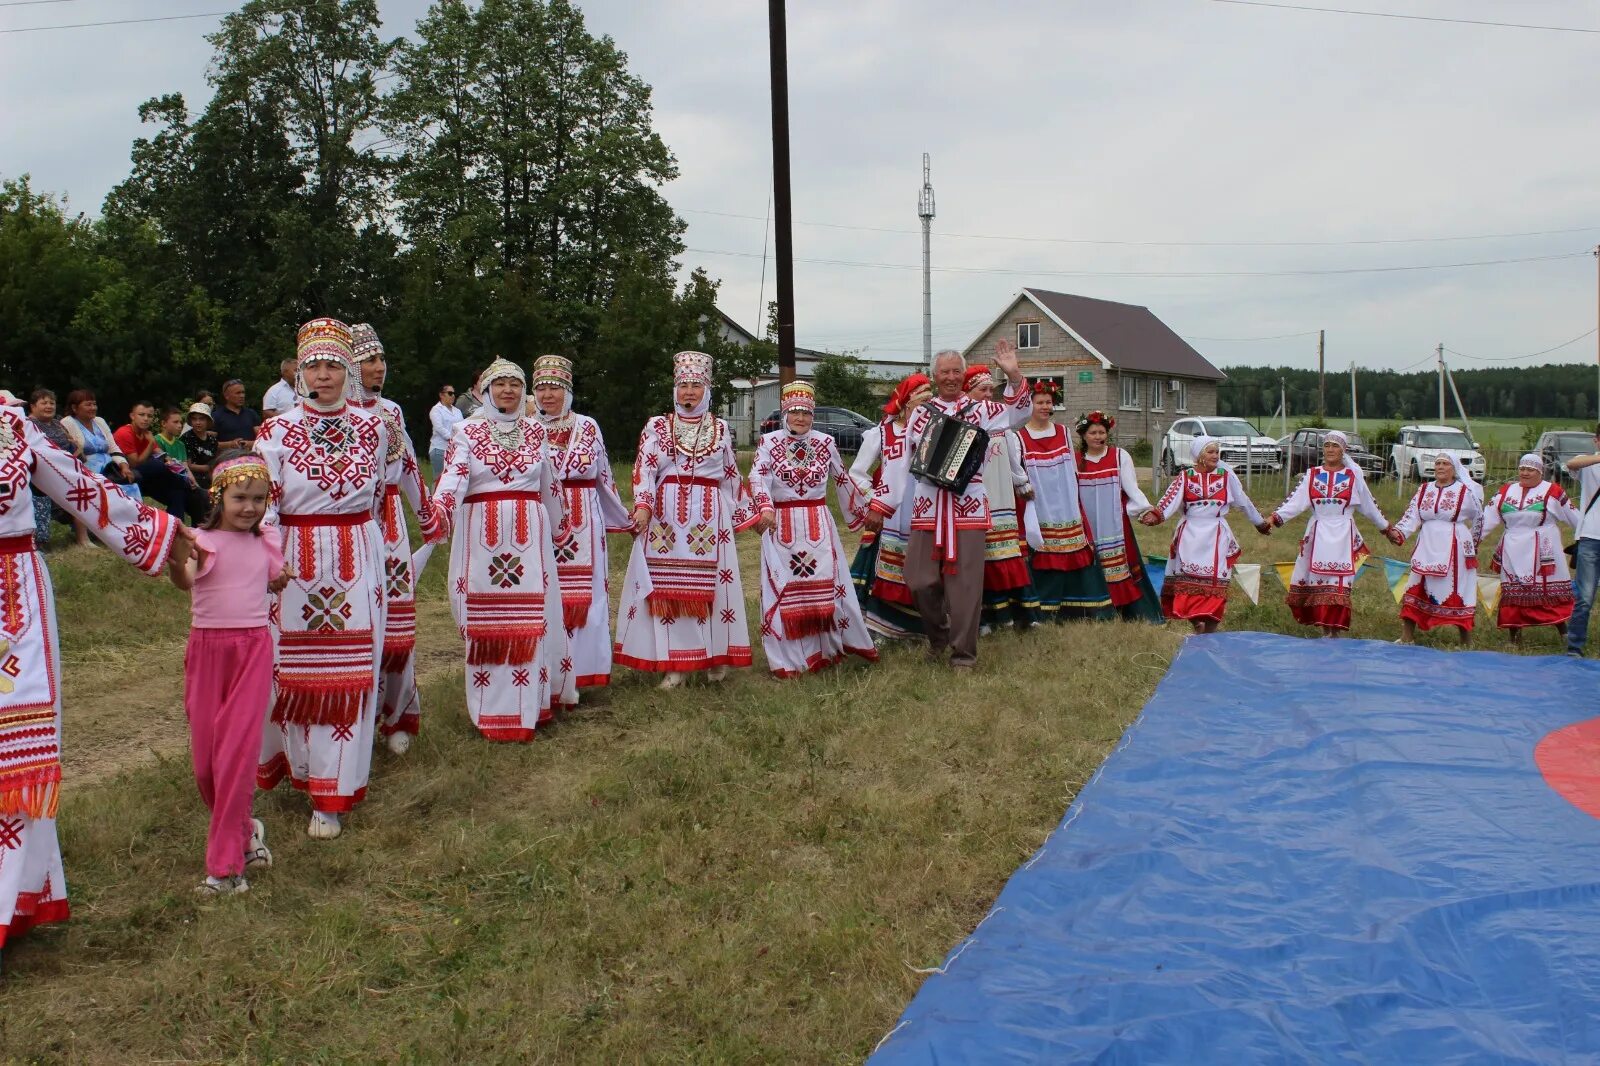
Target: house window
point(1181, 398)
point(1027, 334)
point(1061, 387)
point(1130, 393)
point(1158, 395)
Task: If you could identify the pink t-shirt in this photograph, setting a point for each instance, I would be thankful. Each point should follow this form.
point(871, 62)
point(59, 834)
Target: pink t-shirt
point(230, 589)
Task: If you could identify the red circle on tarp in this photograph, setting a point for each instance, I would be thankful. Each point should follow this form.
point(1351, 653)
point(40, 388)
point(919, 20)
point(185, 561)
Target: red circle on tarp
point(1569, 759)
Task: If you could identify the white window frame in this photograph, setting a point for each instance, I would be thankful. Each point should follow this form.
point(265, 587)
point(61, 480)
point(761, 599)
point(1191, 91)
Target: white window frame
point(1158, 395)
point(1022, 327)
point(1061, 388)
point(1137, 384)
point(1182, 405)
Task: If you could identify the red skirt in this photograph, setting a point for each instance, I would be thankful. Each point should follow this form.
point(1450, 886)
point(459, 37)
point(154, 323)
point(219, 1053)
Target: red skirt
point(1194, 599)
point(1320, 605)
point(1422, 612)
point(1539, 603)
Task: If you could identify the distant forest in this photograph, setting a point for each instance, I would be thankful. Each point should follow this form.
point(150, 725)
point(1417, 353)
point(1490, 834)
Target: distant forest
point(1553, 391)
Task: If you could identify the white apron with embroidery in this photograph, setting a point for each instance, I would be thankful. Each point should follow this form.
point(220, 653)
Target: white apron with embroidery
point(328, 474)
point(809, 616)
point(505, 505)
point(33, 890)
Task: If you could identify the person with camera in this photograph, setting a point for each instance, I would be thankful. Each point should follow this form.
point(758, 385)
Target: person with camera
point(949, 514)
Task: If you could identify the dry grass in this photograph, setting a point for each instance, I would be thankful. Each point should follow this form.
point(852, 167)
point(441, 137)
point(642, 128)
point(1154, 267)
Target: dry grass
point(737, 873)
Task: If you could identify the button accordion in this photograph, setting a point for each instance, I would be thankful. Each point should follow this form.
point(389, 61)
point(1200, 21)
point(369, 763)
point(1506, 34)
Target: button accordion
point(950, 453)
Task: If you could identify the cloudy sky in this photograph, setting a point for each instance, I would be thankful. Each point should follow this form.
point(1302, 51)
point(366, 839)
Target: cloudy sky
point(1237, 169)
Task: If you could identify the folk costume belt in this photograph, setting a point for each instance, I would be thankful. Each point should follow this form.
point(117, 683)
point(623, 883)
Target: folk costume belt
point(581, 483)
point(21, 544)
point(354, 518)
point(501, 497)
point(685, 479)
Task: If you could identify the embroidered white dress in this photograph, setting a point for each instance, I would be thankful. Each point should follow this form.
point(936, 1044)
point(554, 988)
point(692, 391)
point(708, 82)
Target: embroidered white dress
point(399, 705)
point(879, 472)
point(1331, 551)
point(1536, 584)
point(500, 496)
point(594, 509)
point(1204, 549)
point(33, 890)
point(328, 469)
point(809, 618)
point(682, 603)
point(1444, 562)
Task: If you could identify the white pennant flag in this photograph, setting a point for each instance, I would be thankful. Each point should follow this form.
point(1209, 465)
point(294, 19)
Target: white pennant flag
point(1488, 594)
point(1248, 577)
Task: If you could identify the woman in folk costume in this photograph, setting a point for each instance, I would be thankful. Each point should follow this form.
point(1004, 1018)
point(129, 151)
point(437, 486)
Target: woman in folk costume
point(1063, 567)
point(501, 495)
point(1445, 515)
point(879, 570)
point(399, 705)
point(578, 452)
point(1200, 564)
point(809, 620)
point(1109, 491)
point(1008, 597)
point(1330, 553)
point(328, 462)
point(33, 890)
point(1535, 583)
point(682, 604)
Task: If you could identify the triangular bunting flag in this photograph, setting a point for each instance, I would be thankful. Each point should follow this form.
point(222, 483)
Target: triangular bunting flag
point(1248, 577)
point(1156, 567)
point(1398, 573)
point(1488, 594)
point(1285, 572)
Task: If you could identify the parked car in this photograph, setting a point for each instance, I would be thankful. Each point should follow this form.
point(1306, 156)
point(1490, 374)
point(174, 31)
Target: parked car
point(1417, 447)
point(1305, 451)
point(840, 423)
point(1559, 445)
point(1242, 443)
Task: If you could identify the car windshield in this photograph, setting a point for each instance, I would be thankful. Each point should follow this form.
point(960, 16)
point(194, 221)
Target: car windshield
point(1570, 444)
point(1443, 439)
point(1230, 427)
point(1356, 443)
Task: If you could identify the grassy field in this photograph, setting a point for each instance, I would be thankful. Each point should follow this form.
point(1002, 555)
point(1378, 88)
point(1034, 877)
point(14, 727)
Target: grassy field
point(751, 872)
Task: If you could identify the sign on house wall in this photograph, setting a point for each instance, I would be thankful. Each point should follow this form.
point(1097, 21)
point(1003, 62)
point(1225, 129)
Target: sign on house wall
point(1085, 377)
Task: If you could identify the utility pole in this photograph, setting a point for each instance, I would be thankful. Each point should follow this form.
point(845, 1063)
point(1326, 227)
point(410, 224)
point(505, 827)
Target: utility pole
point(1322, 377)
point(1355, 425)
point(1597, 332)
point(777, 34)
point(925, 212)
point(1440, 352)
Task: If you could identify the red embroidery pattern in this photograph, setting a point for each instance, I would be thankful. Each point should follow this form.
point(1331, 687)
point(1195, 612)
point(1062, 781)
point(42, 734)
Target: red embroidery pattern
point(504, 463)
point(799, 462)
point(336, 453)
point(13, 611)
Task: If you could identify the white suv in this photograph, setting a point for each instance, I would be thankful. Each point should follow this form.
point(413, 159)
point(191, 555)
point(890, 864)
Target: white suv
point(1415, 450)
point(1240, 442)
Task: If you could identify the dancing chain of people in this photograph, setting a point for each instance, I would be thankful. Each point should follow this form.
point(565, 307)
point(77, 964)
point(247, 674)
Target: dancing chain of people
point(976, 510)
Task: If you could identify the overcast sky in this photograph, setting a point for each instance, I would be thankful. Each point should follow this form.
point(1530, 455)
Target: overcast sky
point(1157, 123)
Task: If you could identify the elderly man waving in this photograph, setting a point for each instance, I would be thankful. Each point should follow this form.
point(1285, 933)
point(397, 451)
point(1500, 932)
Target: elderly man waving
point(944, 558)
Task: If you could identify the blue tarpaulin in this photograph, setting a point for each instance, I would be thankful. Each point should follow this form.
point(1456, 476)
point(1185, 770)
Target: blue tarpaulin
point(1302, 851)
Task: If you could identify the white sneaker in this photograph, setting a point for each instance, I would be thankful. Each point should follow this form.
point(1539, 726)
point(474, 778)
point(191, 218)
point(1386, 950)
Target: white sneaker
point(216, 887)
point(671, 681)
point(324, 826)
point(256, 854)
point(717, 673)
point(399, 743)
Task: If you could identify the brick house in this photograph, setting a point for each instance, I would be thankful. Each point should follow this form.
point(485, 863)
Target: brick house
point(1116, 357)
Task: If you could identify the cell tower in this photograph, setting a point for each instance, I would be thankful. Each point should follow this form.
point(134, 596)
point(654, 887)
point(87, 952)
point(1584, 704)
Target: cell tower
point(925, 212)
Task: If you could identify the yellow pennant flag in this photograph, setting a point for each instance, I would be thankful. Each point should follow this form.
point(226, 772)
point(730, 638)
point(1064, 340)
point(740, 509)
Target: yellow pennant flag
point(1248, 577)
point(1285, 572)
point(1488, 594)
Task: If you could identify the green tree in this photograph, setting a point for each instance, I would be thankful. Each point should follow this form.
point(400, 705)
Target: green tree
point(842, 381)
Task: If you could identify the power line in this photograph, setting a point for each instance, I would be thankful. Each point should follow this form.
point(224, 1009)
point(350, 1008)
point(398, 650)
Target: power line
point(1009, 271)
point(1410, 18)
point(116, 22)
point(1160, 244)
point(32, 3)
point(1530, 355)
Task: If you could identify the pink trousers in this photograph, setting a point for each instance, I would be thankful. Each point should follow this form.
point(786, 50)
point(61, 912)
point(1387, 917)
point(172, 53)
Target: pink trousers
point(227, 691)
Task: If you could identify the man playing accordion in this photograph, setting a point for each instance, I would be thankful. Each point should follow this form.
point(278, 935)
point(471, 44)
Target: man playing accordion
point(950, 520)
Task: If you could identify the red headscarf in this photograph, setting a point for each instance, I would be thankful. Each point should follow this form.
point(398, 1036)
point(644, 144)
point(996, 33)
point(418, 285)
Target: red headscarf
point(903, 392)
point(976, 374)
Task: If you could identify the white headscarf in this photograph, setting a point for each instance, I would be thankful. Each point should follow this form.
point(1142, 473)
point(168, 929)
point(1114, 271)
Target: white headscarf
point(1200, 444)
point(1463, 475)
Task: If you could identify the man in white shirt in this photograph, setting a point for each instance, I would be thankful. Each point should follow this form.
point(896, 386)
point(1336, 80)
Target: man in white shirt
point(443, 417)
point(281, 397)
point(1587, 556)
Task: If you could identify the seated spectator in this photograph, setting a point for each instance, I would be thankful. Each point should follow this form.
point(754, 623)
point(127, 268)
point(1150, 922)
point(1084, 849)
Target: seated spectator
point(169, 438)
point(200, 444)
point(281, 397)
point(235, 423)
point(42, 412)
point(159, 481)
point(96, 444)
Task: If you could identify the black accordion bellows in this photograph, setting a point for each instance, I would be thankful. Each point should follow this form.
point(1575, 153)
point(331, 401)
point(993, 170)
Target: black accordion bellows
point(950, 453)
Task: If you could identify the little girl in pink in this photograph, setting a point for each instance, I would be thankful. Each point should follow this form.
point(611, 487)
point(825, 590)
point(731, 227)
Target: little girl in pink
point(227, 669)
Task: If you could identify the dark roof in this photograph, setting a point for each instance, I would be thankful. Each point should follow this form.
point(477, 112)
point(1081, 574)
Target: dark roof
point(1128, 335)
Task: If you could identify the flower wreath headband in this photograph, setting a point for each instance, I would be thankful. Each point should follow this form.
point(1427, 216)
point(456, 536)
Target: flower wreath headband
point(1096, 418)
point(233, 471)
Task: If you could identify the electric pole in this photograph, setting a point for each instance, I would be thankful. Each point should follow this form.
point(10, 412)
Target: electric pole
point(925, 212)
point(1322, 376)
point(1597, 331)
point(777, 34)
point(1440, 351)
